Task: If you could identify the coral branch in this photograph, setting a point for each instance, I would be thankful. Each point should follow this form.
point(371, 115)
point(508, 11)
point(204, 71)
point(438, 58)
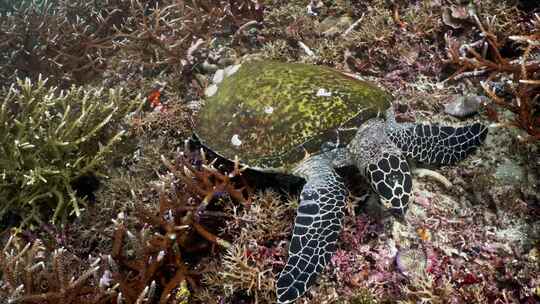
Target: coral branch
point(524, 101)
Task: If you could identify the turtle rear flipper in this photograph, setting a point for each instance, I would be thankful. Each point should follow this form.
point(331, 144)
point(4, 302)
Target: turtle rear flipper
point(316, 230)
point(438, 145)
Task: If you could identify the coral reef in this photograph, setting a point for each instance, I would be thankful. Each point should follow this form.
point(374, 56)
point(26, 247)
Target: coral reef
point(192, 230)
point(68, 42)
point(516, 76)
point(51, 140)
point(30, 274)
point(249, 266)
point(152, 264)
point(149, 266)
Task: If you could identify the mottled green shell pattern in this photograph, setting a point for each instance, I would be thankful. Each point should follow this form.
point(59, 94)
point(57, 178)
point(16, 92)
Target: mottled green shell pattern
point(270, 114)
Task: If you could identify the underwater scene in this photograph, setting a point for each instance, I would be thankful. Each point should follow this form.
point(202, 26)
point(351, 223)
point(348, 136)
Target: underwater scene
point(266, 151)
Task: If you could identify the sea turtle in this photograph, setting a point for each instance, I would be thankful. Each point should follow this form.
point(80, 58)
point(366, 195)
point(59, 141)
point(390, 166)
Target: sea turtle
point(308, 120)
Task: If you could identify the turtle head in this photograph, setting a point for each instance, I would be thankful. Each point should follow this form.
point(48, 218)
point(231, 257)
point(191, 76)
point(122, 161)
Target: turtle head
point(391, 179)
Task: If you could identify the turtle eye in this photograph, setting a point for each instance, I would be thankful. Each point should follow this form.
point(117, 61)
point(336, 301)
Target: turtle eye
point(328, 146)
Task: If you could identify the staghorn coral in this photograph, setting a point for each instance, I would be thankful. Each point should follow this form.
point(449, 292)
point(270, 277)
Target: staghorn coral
point(518, 74)
point(153, 264)
point(29, 274)
point(249, 267)
point(172, 36)
point(174, 43)
point(51, 139)
point(79, 41)
point(67, 41)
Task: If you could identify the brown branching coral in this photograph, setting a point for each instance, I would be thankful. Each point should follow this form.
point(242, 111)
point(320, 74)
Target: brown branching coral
point(207, 182)
point(31, 275)
point(485, 57)
point(170, 34)
point(77, 41)
point(250, 265)
point(155, 259)
point(68, 41)
point(152, 264)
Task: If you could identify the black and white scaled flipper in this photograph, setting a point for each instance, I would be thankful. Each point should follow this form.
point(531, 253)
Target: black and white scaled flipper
point(316, 231)
point(435, 144)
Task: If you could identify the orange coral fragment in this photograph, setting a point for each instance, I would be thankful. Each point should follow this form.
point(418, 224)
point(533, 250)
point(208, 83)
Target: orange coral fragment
point(154, 98)
point(423, 233)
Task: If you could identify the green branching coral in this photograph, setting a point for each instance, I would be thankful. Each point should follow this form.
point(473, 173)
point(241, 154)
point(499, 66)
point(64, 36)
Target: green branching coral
point(48, 139)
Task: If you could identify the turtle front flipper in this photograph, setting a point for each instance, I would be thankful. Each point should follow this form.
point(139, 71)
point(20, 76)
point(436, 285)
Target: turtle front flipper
point(316, 229)
point(434, 144)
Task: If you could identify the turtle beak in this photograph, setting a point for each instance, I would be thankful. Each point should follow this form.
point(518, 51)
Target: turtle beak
point(399, 214)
